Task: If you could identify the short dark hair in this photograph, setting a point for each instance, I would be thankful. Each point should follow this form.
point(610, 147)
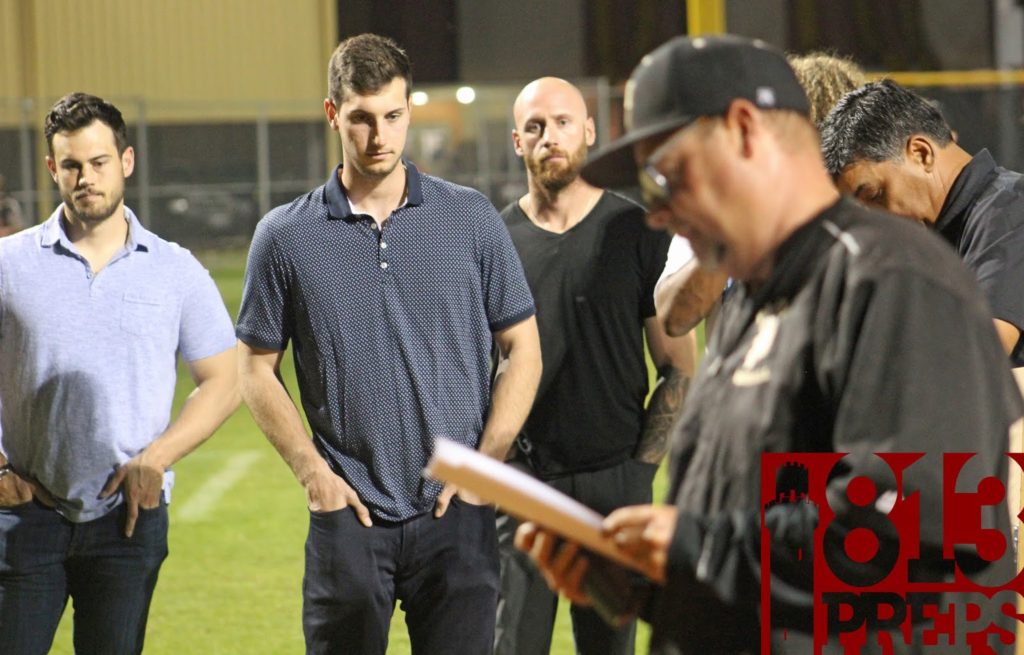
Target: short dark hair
point(77, 110)
point(874, 122)
point(366, 64)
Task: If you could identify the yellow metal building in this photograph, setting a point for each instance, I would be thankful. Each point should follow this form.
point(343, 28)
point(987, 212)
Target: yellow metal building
point(170, 51)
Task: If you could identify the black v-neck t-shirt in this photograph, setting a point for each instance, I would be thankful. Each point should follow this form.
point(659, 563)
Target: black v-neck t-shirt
point(593, 286)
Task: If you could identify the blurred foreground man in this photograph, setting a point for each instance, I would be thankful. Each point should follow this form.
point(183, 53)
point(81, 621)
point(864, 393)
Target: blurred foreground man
point(850, 331)
point(891, 148)
point(591, 263)
point(392, 287)
point(94, 310)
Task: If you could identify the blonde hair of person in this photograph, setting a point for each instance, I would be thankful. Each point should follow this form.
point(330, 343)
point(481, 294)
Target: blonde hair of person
point(826, 78)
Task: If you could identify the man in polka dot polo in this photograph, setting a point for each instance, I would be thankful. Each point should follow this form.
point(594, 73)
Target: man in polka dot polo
point(391, 286)
point(592, 265)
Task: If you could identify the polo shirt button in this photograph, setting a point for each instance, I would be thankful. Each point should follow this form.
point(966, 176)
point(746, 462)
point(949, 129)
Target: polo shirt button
point(383, 264)
point(383, 245)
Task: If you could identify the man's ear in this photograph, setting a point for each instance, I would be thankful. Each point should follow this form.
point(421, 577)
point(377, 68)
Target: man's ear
point(52, 167)
point(743, 119)
point(332, 113)
point(516, 145)
point(590, 131)
point(128, 161)
point(920, 150)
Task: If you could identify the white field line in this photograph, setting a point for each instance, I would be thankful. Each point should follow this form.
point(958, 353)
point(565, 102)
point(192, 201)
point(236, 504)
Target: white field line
point(203, 499)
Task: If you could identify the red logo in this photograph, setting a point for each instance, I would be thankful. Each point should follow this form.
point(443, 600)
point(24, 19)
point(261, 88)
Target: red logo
point(899, 569)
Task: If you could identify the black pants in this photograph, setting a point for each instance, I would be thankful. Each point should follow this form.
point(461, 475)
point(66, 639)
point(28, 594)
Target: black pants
point(526, 610)
point(445, 572)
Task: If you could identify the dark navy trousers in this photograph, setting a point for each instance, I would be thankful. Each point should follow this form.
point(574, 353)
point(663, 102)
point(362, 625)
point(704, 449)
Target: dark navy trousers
point(444, 571)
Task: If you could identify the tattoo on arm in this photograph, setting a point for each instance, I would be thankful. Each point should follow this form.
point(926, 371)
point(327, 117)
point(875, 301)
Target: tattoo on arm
point(666, 401)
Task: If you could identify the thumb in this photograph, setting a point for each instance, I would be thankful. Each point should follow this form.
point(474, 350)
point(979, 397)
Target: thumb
point(632, 516)
point(441, 506)
point(362, 513)
point(115, 481)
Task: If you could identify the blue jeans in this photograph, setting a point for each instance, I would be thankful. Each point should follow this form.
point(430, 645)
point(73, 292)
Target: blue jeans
point(445, 572)
point(44, 558)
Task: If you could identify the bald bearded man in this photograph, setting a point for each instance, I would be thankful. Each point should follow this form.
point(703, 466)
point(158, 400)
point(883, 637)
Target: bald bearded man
point(591, 263)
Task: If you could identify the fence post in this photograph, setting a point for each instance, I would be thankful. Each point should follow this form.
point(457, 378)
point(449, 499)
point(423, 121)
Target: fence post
point(142, 166)
point(28, 199)
point(604, 107)
point(263, 161)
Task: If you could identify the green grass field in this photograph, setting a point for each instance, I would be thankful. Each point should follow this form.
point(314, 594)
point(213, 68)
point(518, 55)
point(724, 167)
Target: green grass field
point(232, 582)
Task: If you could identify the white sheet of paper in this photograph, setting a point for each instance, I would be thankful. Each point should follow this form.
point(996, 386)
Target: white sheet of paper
point(522, 496)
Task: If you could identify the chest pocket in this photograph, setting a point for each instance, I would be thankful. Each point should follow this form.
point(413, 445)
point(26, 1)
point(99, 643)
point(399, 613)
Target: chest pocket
point(147, 315)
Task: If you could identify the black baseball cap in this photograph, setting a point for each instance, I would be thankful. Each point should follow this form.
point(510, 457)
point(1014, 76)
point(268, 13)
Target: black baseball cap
point(686, 78)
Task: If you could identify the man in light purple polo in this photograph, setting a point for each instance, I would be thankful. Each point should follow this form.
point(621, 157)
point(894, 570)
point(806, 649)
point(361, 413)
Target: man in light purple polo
point(94, 310)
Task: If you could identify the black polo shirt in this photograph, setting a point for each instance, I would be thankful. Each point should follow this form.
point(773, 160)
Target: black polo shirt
point(391, 327)
point(869, 336)
point(983, 217)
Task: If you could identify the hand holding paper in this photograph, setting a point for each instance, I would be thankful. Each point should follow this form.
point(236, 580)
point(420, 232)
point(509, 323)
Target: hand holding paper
point(593, 565)
point(525, 498)
point(645, 532)
point(562, 563)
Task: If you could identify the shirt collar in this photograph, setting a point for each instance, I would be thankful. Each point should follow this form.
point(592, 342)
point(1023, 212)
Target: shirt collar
point(139, 238)
point(337, 202)
point(795, 261)
point(798, 256)
point(975, 176)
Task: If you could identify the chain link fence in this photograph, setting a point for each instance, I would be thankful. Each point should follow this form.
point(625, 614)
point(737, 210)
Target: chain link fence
point(205, 183)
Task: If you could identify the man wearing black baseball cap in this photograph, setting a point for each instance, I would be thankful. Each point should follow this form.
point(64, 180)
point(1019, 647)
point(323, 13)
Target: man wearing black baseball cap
point(851, 332)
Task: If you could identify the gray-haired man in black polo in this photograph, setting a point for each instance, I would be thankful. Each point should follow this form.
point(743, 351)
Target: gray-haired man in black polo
point(391, 286)
point(891, 148)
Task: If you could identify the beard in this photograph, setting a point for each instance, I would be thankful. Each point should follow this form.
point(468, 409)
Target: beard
point(97, 211)
point(555, 176)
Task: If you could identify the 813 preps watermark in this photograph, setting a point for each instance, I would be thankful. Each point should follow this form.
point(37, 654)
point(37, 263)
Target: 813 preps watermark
point(901, 568)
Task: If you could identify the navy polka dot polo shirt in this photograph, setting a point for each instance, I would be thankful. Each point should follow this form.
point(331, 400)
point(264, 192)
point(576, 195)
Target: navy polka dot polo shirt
point(390, 327)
